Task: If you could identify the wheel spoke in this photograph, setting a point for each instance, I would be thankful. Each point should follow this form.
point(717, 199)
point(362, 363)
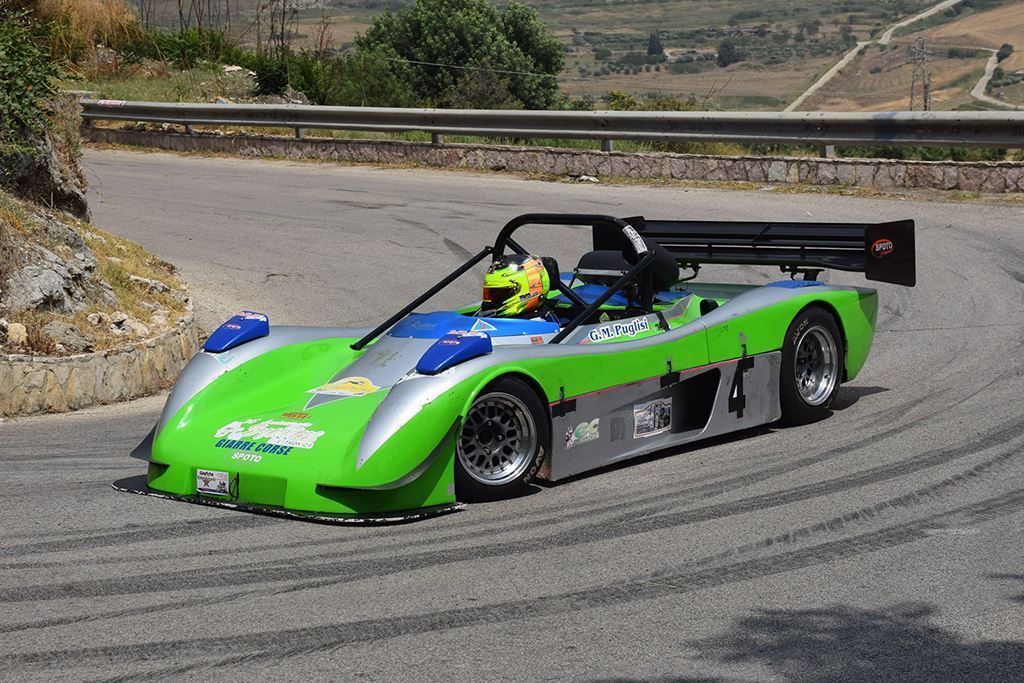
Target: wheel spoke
point(498, 440)
point(814, 367)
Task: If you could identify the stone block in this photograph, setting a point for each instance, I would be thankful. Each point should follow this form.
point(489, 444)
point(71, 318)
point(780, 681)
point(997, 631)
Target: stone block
point(777, 172)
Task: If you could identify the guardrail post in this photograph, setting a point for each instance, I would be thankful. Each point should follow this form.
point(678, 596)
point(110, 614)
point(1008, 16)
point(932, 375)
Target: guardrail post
point(300, 133)
point(436, 139)
point(188, 129)
point(606, 145)
point(827, 151)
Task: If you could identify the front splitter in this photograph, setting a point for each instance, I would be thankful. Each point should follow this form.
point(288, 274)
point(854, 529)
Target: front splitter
point(133, 485)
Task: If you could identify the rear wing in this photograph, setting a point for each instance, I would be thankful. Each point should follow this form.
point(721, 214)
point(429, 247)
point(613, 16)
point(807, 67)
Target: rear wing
point(884, 252)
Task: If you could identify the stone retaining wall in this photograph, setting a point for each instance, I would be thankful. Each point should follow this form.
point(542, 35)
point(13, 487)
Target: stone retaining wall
point(30, 384)
point(989, 177)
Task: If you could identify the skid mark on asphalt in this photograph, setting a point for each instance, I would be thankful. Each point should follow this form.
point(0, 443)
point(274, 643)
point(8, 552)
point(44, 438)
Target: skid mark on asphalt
point(303, 641)
point(632, 522)
point(405, 537)
point(145, 534)
point(870, 513)
point(128, 612)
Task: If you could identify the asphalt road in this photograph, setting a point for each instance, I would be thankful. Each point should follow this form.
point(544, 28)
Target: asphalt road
point(884, 543)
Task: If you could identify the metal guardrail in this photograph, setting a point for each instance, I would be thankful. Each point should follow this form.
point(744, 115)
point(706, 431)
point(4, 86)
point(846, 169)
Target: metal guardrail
point(942, 129)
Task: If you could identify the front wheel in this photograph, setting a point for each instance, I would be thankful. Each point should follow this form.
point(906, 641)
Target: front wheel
point(812, 367)
point(502, 442)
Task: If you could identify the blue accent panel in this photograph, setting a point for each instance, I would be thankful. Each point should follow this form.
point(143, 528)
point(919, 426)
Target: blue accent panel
point(240, 329)
point(440, 323)
point(452, 349)
point(794, 284)
point(590, 292)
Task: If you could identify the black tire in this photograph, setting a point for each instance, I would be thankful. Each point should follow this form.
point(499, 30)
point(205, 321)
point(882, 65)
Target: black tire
point(813, 359)
point(506, 410)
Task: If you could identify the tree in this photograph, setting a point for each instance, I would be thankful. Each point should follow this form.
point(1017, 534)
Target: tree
point(26, 76)
point(481, 89)
point(654, 46)
point(1005, 51)
point(728, 53)
point(433, 44)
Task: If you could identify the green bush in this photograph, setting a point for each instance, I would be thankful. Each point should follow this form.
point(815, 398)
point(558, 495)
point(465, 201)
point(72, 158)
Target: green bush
point(26, 76)
point(432, 44)
point(318, 78)
point(728, 53)
point(361, 79)
point(185, 49)
point(271, 74)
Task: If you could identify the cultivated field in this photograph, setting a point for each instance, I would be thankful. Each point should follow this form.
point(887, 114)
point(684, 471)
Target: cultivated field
point(787, 44)
point(987, 29)
point(880, 79)
point(745, 85)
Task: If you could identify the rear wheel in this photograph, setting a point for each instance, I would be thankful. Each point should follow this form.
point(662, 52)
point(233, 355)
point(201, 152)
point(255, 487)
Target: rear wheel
point(812, 367)
point(502, 442)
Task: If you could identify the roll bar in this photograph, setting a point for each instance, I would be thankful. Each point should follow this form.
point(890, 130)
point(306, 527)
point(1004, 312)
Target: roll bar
point(638, 255)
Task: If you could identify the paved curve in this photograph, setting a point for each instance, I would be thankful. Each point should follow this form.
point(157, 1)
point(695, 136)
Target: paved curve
point(978, 92)
point(884, 39)
point(935, 9)
point(883, 543)
point(828, 75)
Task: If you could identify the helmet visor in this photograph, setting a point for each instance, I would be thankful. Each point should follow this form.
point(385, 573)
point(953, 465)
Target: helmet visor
point(495, 297)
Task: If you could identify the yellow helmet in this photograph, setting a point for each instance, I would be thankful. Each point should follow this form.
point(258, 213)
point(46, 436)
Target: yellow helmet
point(515, 284)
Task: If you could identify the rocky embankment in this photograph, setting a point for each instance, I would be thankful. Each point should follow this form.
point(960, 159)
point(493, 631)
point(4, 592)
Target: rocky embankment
point(86, 317)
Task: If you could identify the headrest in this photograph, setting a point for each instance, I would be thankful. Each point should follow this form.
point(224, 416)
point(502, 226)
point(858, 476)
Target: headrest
point(664, 269)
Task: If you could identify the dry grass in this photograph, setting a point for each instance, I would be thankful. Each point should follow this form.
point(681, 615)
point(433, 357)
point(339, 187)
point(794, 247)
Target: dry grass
point(880, 80)
point(117, 259)
point(10, 224)
point(774, 85)
point(84, 24)
point(986, 29)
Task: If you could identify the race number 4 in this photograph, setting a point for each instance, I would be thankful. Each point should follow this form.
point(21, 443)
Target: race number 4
point(738, 399)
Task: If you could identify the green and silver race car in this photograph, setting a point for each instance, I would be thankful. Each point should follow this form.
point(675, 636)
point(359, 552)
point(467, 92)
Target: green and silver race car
point(430, 410)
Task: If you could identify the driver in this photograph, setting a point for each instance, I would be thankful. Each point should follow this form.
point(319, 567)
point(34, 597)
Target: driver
point(515, 286)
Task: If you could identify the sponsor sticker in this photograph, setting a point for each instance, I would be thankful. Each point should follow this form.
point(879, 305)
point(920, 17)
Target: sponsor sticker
point(482, 326)
point(653, 417)
point(622, 328)
point(347, 387)
point(296, 416)
point(224, 358)
point(460, 334)
point(582, 433)
point(882, 247)
point(536, 340)
point(246, 457)
point(634, 237)
point(212, 481)
point(252, 315)
point(277, 437)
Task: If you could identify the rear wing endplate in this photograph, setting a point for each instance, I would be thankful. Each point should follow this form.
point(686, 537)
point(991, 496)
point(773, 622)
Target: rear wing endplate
point(884, 252)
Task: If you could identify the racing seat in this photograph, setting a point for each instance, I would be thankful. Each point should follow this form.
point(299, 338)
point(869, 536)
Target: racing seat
point(599, 269)
point(605, 266)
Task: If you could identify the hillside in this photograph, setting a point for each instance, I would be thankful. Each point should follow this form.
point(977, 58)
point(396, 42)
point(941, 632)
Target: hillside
point(783, 46)
point(880, 79)
point(724, 53)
